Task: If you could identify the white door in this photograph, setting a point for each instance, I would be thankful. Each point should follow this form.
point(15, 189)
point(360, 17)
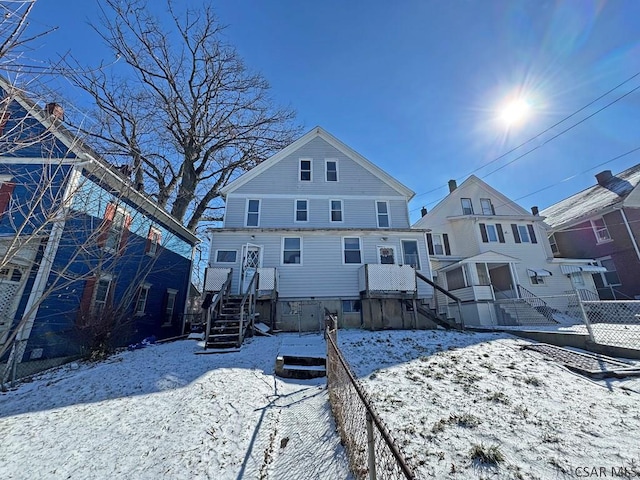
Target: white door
point(386, 255)
point(251, 261)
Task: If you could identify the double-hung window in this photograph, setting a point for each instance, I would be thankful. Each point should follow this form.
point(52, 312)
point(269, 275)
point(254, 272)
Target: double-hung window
point(610, 277)
point(410, 253)
point(382, 210)
point(438, 244)
point(302, 211)
point(467, 206)
point(253, 213)
point(305, 170)
point(524, 234)
point(101, 294)
point(487, 206)
point(117, 221)
point(351, 249)
point(600, 230)
point(336, 210)
point(331, 170)
point(141, 301)
point(154, 237)
point(292, 251)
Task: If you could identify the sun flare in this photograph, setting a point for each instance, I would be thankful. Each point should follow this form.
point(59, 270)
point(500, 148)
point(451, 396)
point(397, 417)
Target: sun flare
point(515, 112)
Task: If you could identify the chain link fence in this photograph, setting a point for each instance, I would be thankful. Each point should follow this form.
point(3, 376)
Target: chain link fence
point(613, 322)
point(373, 454)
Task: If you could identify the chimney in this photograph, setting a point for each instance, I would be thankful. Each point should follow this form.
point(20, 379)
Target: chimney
point(423, 211)
point(452, 185)
point(535, 211)
point(603, 177)
point(55, 110)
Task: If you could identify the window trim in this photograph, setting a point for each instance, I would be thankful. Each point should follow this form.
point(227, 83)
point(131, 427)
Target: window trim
point(526, 238)
point(352, 302)
point(326, 170)
point(295, 210)
point(490, 226)
point(246, 214)
point(145, 287)
point(344, 262)
point(462, 199)
point(433, 236)
point(491, 208)
point(310, 160)
point(108, 228)
point(225, 250)
point(102, 277)
point(331, 220)
point(597, 229)
point(386, 203)
point(404, 256)
point(282, 250)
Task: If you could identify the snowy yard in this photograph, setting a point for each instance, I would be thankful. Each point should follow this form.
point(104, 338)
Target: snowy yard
point(443, 394)
point(164, 412)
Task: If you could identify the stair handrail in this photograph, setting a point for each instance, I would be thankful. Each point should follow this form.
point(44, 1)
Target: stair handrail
point(250, 295)
point(216, 304)
point(443, 291)
point(534, 301)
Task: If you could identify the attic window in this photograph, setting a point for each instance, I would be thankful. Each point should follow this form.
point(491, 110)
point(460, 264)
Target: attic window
point(305, 170)
point(487, 206)
point(467, 206)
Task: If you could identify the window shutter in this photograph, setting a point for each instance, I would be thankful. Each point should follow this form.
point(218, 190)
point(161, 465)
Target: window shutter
point(125, 233)
point(5, 196)
point(430, 243)
point(483, 233)
point(500, 232)
point(85, 301)
point(516, 234)
point(109, 214)
point(532, 234)
point(445, 239)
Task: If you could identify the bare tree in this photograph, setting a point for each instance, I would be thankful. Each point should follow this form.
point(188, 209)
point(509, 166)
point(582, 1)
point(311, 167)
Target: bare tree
point(187, 113)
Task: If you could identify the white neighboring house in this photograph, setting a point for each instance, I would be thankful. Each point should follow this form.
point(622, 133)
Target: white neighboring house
point(324, 228)
point(496, 258)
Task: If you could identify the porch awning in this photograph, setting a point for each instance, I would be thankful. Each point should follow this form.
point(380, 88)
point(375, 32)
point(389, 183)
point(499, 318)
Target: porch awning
point(567, 269)
point(538, 272)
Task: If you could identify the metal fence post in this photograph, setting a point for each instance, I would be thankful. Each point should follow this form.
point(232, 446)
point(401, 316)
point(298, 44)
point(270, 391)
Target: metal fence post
point(585, 317)
point(371, 447)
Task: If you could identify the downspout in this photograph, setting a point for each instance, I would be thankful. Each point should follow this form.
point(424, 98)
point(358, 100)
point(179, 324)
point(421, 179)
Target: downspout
point(633, 240)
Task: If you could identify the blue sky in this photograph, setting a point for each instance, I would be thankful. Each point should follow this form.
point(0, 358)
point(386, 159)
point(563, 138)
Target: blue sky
point(416, 86)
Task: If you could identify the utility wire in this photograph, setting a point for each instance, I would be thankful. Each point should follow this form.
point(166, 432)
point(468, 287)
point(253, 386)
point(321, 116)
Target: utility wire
point(545, 131)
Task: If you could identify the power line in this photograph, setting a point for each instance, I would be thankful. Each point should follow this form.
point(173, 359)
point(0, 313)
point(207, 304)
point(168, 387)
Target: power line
point(545, 131)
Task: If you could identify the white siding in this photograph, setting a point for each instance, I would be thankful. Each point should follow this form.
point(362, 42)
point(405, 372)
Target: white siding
point(322, 272)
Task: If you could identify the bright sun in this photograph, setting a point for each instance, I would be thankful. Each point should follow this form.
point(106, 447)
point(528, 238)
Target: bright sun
point(515, 112)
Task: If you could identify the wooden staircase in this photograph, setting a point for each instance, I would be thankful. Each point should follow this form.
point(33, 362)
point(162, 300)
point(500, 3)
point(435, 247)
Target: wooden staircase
point(230, 324)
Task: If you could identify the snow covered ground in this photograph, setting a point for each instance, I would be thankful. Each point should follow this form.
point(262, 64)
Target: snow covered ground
point(443, 394)
point(164, 412)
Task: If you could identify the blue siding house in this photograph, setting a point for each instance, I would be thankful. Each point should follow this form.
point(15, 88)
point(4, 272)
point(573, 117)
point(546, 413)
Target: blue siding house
point(85, 258)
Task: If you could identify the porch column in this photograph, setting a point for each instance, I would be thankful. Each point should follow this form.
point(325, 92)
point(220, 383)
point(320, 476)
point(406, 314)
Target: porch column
point(514, 279)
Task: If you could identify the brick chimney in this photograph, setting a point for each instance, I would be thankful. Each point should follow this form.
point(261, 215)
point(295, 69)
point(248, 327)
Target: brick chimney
point(423, 211)
point(452, 185)
point(603, 177)
point(55, 110)
point(535, 211)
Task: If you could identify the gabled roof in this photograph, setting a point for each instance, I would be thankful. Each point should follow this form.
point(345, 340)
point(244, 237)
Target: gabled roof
point(594, 200)
point(319, 132)
point(491, 192)
point(95, 164)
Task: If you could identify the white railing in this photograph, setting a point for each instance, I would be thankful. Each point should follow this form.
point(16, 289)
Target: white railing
point(387, 278)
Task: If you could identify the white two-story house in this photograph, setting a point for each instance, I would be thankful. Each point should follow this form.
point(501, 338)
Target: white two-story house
point(324, 228)
point(495, 257)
